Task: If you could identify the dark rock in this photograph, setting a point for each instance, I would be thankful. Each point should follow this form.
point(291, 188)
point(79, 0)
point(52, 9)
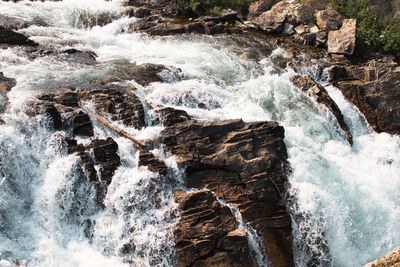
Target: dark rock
point(329, 19)
point(171, 116)
point(145, 74)
point(245, 164)
point(10, 37)
point(82, 125)
point(118, 101)
point(319, 94)
point(377, 99)
point(148, 159)
point(337, 73)
point(207, 233)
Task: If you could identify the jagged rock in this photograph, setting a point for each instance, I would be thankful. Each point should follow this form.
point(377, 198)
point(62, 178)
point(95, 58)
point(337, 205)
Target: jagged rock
point(148, 159)
point(329, 19)
point(245, 164)
point(390, 260)
point(343, 41)
point(377, 99)
point(6, 84)
point(121, 103)
point(10, 37)
point(273, 20)
point(171, 116)
point(319, 94)
point(105, 155)
point(336, 73)
point(259, 7)
point(207, 233)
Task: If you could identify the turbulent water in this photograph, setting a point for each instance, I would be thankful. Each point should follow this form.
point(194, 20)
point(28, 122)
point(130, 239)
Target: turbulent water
point(344, 200)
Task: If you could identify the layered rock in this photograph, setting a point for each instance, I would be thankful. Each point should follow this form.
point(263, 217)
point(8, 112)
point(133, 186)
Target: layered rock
point(246, 165)
point(374, 89)
point(390, 260)
point(208, 234)
point(320, 95)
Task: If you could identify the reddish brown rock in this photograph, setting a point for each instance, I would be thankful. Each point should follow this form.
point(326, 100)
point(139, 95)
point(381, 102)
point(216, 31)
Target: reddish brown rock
point(207, 233)
point(376, 98)
point(319, 94)
point(245, 164)
point(390, 260)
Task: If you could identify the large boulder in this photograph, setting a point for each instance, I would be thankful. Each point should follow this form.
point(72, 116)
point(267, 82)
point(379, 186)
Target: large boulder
point(207, 234)
point(317, 92)
point(273, 20)
point(10, 37)
point(329, 19)
point(376, 96)
point(246, 165)
point(343, 41)
point(390, 260)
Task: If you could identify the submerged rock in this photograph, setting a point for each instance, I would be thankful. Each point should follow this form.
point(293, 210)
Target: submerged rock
point(319, 94)
point(246, 165)
point(6, 84)
point(10, 37)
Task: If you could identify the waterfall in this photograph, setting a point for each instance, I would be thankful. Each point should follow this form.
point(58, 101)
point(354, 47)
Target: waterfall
point(344, 200)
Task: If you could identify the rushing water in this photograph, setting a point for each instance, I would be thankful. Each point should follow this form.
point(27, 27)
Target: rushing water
point(343, 197)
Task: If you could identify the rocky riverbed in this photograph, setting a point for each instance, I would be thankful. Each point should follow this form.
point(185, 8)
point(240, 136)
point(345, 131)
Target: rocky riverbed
point(135, 135)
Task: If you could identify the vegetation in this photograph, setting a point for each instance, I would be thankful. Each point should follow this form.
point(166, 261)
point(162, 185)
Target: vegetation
point(210, 7)
point(373, 34)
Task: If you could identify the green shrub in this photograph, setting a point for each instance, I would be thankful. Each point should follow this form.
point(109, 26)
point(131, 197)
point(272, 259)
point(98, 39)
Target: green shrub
point(373, 34)
point(210, 7)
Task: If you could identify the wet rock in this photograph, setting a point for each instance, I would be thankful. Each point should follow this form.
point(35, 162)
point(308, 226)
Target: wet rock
point(146, 158)
point(171, 116)
point(207, 233)
point(121, 103)
point(245, 164)
point(259, 7)
point(376, 99)
point(147, 73)
point(343, 41)
point(80, 57)
point(105, 155)
point(319, 94)
point(11, 23)
point(390, 260)
point(6, 84)
point(336, 73)
point(10, 37)
point(329, 19)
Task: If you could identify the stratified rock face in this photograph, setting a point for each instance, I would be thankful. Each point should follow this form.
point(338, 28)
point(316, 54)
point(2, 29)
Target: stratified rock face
point(390, 260)
point(343, 41)
point(10, 37)
point(319, 94)
point(245, 164)
point(207, 233)
point(377, 99)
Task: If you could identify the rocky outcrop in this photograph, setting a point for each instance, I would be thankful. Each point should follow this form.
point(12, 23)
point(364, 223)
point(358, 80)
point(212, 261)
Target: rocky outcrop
point(343, 41)
point(390, 260)
point(10, 37)
point(208, 234)
point(320, 95)
point(329, 19)
point(246, 165)
point(374, 89)
point(260, 6)
point(171, 116)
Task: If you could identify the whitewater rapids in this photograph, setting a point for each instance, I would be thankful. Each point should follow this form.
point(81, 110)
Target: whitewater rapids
point(348, 195)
